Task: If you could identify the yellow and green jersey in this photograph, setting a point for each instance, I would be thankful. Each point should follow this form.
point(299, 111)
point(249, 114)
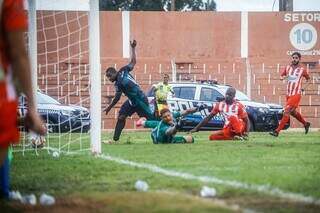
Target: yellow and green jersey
point(162, 90)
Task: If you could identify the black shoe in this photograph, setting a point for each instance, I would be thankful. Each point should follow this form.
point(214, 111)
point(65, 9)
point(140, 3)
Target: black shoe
point(306, 127)
point(274, 133)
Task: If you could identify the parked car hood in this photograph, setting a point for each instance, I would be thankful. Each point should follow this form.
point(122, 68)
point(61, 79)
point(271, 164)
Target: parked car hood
point(58, 107)
point(254, 104)
point(257, 104)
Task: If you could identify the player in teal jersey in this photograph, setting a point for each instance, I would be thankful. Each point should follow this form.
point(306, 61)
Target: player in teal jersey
point(137, 101)
point(164, 131)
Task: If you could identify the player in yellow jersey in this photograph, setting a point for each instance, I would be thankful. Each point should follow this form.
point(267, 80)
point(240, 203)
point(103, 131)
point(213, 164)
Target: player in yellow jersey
point(162, 89)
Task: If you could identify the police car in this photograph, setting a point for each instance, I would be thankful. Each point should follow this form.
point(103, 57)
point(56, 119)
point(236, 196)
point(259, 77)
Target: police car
point(263, 117)
point(58, 117)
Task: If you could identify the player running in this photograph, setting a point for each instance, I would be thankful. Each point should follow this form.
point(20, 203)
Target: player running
point(293, 73)
point(164, 131)
point(125, 83)
point(236, 119)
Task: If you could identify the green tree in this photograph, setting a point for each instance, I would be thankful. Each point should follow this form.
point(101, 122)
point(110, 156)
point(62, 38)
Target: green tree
point(114, 5)
point(210, 5)
point(147, 5)
point(157, 5)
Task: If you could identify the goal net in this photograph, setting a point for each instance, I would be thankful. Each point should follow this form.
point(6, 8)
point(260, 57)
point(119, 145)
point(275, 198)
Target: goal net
point(64, 75)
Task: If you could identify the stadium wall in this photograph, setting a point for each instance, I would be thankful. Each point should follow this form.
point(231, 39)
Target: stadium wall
point(203, 45)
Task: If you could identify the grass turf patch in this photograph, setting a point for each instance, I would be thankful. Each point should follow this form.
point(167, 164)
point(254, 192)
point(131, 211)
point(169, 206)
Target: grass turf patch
point(290, 162)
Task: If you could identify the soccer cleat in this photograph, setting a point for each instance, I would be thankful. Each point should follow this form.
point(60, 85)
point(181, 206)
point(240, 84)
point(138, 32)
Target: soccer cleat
point(110, 142)
point(141, 121)
point(306, 127)
point(238, 138)
point(274, 133)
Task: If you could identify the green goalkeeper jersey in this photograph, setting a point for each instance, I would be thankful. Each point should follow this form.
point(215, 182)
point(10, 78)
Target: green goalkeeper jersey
point(160, 128)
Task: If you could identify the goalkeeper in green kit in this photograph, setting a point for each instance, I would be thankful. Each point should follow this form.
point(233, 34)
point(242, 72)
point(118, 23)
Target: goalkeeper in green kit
point(164, 131)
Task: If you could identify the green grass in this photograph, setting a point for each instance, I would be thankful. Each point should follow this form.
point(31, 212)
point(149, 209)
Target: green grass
point(290, 162)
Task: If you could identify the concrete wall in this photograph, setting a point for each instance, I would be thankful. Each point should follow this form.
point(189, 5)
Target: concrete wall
point(203, 44)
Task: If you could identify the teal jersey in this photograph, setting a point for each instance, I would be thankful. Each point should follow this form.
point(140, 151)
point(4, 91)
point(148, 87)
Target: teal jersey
point(158, 133)
point(126, 84)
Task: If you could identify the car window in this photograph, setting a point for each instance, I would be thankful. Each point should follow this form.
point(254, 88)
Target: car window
point(240, 96)
point(45, 99)
point(151, 92)
point(208, 94)
point(176, 91)
point(185, 92)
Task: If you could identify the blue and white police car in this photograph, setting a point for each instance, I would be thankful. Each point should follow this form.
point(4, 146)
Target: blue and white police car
point(262, 116)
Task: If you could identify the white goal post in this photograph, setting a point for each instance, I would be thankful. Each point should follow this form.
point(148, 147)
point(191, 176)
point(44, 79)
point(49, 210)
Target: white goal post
point(92, 6)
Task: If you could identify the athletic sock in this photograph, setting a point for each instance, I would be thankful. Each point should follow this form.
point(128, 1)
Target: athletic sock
point(299, 117)
point(283, 122)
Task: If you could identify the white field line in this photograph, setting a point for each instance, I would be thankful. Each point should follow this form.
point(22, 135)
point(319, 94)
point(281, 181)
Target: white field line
point(266, 189)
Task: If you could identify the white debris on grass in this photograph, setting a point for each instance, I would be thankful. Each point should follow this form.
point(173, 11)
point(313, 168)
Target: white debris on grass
point(46, 200)
point(208, 192)
point(15, 195)
point(141, 186)
point(29, 199)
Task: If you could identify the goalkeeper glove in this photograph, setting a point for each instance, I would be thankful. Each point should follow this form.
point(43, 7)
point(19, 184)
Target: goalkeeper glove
point(201, 107)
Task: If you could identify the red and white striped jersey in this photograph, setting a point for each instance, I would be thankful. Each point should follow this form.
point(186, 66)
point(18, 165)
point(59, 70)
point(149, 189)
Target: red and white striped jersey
point(226, 110)
point(295, 75)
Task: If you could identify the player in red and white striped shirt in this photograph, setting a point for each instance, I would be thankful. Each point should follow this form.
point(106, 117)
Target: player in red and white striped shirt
point(294, 74)
point(236, 119)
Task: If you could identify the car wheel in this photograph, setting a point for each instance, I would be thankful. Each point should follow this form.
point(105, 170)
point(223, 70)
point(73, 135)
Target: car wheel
point(251, 129)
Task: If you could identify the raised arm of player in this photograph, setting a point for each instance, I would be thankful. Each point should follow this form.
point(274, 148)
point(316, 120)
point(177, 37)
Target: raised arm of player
point(203, 122)
point(21, 70)
point(133, 61)
point(114, 102)
point(192, 110)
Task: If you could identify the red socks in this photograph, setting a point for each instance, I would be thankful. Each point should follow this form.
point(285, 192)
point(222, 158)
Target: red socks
point(283, 122)
point(299, 117)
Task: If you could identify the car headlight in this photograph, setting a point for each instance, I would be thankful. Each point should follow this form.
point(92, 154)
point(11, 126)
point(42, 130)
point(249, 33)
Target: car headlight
point(66, 112)
point(263, 109)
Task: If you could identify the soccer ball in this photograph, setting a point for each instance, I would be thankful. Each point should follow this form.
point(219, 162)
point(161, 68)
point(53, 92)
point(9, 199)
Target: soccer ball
point(37, 141)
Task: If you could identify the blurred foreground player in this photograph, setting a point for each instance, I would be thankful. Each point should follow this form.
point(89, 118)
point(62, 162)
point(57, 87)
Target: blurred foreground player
point(14, 65)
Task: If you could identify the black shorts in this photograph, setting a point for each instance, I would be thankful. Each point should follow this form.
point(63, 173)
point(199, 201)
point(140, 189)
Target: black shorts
point(127, 110)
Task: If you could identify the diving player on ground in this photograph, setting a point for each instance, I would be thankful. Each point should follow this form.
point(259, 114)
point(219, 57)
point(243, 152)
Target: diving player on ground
point(164, 131)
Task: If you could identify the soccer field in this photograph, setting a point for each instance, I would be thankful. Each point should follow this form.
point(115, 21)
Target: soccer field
point(263, 174)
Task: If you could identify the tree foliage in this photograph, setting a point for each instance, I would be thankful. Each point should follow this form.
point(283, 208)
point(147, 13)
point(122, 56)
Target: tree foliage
point(157, 5)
